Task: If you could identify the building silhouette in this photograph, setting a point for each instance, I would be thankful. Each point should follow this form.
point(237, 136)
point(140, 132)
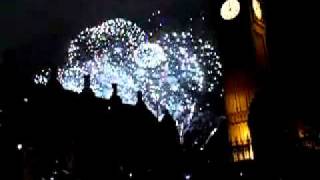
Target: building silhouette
point(64, 135)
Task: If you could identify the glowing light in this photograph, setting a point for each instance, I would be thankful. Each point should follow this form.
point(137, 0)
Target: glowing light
point(65, 172)
point(214, 131)
point(257, 9)
point(171, 72)
point(187, 177)
point(230, 9)
point(26, 100)
point(19, 147)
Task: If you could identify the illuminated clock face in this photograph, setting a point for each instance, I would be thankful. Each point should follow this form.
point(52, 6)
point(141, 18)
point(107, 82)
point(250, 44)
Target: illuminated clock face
point(230, 9)
point(257, 9)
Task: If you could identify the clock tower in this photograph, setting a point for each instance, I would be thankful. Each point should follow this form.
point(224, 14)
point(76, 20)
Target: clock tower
point(242, 40)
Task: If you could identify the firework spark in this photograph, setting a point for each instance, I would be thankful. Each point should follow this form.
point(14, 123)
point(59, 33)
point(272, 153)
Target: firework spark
point(174, 71)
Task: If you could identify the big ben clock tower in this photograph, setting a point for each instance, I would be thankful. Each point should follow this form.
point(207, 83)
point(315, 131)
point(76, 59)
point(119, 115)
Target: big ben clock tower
point(242, 39)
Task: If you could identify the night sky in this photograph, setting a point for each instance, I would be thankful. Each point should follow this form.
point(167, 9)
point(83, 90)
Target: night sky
point(44, 23)
point(41, 29)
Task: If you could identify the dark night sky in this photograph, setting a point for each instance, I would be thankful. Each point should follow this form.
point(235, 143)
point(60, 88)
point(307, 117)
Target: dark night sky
point(41, 22)
point(41, 29)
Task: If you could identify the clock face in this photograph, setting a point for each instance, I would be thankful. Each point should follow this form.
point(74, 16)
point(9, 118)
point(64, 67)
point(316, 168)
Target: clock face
point(230, 9)
point(257, 9)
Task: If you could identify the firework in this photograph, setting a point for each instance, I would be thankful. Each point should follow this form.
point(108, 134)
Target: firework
point(174, 72)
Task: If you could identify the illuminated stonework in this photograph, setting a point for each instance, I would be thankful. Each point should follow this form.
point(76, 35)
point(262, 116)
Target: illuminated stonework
point(238, 96)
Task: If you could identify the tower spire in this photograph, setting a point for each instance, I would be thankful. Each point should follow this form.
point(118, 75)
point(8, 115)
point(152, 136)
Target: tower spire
point(115, 99)
point(87, 89)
